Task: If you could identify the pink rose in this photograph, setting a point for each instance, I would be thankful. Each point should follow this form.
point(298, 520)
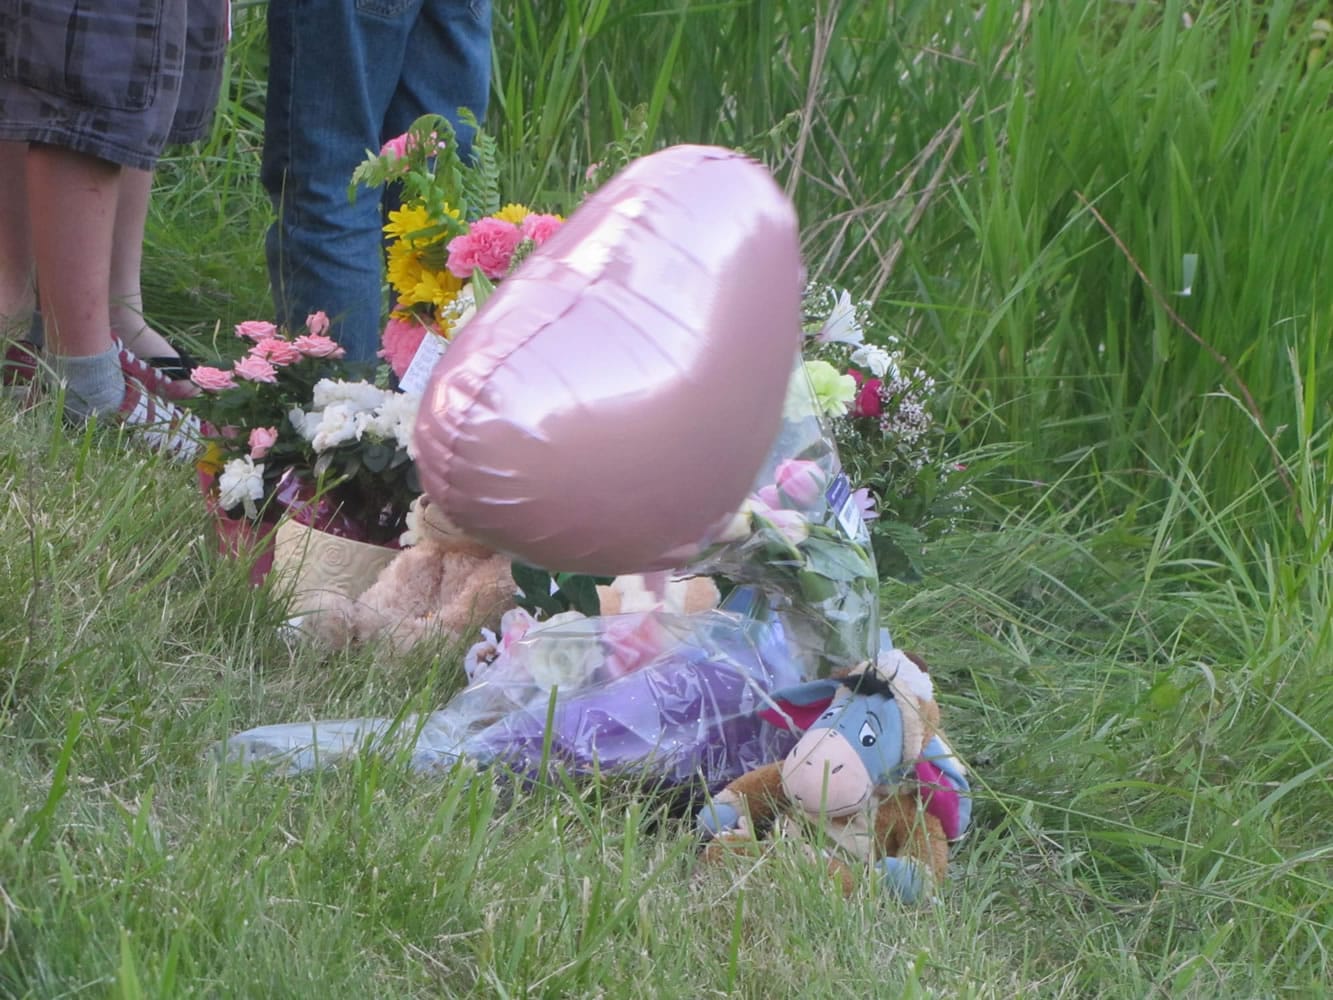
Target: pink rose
point(254, 369)
point(632, 642)
point(318, 347)
point(317, 323)
point(401, 339)
point(212, 379)
point(276, 351)
point(256, 329)
point(261, 440)
point(867, 402)
point(800, 480)
point(539, 228)
point(488, 246)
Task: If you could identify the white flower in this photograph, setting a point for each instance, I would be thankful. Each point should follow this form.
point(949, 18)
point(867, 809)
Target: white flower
point(878, 360)
point(565, 659)
point(374, 424)
point(337, 424)
point(241, 483)
point(399, 415)
point(303, 422)
point(842, 326)
point(357, 396)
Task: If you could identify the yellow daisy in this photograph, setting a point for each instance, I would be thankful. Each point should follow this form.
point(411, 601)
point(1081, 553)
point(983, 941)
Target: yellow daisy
point(406, 220)
point(513, 213)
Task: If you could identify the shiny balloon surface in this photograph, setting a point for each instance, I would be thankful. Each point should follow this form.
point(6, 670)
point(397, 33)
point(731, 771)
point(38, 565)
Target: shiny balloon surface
point(617, 394)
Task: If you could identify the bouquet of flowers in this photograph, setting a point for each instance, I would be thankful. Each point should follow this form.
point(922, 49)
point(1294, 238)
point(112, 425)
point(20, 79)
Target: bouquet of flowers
point(450, 240)
point(880, 407)
point(295, 434)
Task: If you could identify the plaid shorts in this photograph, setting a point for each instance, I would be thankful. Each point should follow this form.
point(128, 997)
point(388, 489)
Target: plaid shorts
point(116, 79)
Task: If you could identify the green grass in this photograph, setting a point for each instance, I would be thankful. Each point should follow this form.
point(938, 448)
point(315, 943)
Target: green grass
point(1131, 635)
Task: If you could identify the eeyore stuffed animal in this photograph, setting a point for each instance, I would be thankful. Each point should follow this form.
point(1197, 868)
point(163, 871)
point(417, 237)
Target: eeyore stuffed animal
point(871, 781)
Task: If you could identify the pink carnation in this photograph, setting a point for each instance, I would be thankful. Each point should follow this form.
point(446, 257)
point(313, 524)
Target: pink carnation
point(212, 379)
point(318, 347)
point(402, 338)
point(276, 351)
point(261, 440)
point(398, 146)
point(254, 369)
point(256, 329)
point(539, 228)
point(488, 246)
point(317, 323)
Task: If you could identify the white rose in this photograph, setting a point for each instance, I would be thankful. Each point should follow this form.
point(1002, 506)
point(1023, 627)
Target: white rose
point(241, 483)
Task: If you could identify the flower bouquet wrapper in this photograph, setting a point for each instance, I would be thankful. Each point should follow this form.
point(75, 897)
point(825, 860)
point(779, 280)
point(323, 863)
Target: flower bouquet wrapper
point(801, 541)
point(672, 699)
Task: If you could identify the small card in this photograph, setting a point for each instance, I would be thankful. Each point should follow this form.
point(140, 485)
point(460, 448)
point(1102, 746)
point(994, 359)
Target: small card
point(423, 363)
point(843, 504)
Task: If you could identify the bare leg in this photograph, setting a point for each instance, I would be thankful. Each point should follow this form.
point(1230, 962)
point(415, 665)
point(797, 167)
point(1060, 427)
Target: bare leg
point(74, 196)
point(126, 302)
point(16, 291)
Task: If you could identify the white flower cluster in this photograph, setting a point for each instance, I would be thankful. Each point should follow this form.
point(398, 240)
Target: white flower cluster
point(353, 411)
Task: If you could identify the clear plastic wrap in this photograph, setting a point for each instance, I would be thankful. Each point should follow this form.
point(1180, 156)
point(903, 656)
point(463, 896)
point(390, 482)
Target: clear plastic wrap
point(801, 540)
point(672, 698)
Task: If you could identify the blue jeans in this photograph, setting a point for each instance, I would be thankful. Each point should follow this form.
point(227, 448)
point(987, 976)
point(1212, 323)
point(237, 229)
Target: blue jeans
point(344, 77)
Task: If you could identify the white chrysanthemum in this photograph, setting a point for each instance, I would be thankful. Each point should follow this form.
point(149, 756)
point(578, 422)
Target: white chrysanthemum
point(241, 480)
point(303, 422)
point(399, 413)
point(372, 424)
point(878, 360)
point(357, 396)
point(337, 424)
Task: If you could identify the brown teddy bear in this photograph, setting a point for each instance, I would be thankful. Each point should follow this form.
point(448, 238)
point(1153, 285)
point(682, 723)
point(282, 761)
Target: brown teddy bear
point(870, 781)
point(444, 586)
point(657, 592)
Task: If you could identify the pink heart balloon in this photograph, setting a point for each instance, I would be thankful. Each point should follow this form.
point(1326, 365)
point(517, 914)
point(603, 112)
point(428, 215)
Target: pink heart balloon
point(616, 395)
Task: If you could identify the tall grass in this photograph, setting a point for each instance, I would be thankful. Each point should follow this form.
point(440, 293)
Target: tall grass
point(1131, 638)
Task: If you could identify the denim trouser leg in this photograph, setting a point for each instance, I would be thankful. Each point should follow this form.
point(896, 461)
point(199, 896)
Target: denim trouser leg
point(344, 76)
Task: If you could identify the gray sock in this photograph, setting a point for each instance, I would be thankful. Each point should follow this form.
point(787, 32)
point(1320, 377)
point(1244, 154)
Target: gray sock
point(93, 384)
point(36, 331)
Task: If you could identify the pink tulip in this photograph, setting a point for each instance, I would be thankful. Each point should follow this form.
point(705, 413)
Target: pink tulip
point(800, 480)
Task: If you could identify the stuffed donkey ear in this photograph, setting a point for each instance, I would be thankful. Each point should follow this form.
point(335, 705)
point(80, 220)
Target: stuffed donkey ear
point(801, 703)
